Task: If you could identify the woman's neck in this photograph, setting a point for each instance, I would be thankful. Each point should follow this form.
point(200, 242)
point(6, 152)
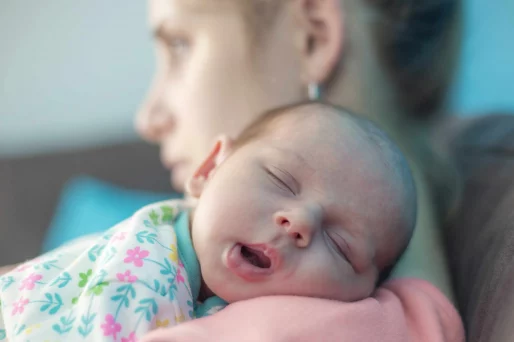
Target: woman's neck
point(360, 82)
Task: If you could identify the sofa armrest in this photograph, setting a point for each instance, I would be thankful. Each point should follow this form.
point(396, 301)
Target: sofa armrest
point(480, 237)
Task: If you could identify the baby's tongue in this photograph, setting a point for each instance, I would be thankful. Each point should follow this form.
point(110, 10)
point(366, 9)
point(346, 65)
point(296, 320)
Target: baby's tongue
point(255, 257)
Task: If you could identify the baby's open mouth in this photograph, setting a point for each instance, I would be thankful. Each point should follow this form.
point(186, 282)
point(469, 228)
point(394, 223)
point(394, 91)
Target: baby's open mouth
point(255, 257)
point(252, 262)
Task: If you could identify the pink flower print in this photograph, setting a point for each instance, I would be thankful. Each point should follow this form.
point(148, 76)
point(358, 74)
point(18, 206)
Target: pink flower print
point(19, 306)
point(119, 236)
point(180, 264)
point(110, 327)
point(131, 338)
point(180, 278)
point(29, 282)
point(136, 256)
point(126, 277)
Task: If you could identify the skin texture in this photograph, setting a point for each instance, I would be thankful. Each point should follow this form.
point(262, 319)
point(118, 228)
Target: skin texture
point(326, 210)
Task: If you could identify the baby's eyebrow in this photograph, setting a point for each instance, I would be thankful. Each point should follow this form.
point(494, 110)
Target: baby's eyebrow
point(302, 166)
point(292, 153)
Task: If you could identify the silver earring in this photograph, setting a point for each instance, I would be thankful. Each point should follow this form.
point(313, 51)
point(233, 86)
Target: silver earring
point(314, 91)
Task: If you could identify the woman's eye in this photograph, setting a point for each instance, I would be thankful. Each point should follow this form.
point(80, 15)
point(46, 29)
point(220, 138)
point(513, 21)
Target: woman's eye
point(279, 182)
point(178, 46)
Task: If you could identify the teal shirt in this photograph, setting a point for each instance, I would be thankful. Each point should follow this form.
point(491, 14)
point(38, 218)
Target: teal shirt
point(188, 256)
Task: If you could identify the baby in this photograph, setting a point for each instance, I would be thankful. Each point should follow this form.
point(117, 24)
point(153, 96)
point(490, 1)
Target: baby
point(310, 200)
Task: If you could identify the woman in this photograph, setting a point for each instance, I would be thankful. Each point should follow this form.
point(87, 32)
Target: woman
point(221, 63)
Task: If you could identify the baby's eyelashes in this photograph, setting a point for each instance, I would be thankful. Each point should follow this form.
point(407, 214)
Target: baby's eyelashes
point(279, 177)
point(339, 244)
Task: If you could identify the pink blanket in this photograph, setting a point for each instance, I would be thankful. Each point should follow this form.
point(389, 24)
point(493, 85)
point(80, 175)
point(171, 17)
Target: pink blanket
point(401, 310)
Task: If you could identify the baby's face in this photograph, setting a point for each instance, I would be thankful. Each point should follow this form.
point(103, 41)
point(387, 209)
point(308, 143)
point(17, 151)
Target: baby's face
point(295, 216)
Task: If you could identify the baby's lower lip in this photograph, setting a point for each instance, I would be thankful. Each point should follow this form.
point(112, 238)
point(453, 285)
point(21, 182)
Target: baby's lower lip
point(241, 267)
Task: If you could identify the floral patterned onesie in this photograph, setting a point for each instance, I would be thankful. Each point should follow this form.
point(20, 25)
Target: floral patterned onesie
point(140, 275)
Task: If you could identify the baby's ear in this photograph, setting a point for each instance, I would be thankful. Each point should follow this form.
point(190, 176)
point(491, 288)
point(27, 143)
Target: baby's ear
point(196, 184)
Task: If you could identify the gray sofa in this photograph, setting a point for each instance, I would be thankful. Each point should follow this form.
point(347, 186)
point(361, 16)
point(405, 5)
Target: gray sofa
point(30, 188)
point(479, 240)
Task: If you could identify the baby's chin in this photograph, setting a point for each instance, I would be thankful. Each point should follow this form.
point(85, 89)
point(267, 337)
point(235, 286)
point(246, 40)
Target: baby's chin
point(239, 293)
point(236, 292)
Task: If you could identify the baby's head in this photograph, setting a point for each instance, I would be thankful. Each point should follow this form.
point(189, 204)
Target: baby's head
point(310, 200)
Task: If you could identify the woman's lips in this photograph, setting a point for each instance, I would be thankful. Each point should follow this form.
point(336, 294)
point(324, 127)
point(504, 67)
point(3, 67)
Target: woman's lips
point(179, 172)
point(243, 268)
point(172, 164)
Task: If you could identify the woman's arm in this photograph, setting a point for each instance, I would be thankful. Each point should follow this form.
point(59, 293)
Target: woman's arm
point(5, 269)
point(404, 310)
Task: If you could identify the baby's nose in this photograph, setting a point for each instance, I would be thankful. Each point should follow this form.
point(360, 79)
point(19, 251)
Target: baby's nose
point(300, 224)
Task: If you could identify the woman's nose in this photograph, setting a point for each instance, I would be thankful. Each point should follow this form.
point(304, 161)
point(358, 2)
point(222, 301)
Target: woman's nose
point(300, 224)
point(154, 121)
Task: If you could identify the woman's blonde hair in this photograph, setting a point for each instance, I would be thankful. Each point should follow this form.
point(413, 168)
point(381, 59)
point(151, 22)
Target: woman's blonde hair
point(415, 43)
point(413, 39)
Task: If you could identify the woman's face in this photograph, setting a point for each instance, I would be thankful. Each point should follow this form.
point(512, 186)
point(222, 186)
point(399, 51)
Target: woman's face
point(212, 78)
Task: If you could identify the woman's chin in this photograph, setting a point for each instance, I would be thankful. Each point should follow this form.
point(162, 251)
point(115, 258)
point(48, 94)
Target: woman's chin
point(178, 178)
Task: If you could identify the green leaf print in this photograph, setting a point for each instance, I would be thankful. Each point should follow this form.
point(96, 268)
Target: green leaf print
point(7, 281)
point(50, 264)
point(157, 285)
point(63, 280)
point(167, 214)
point(167, 268)
point(154, 217)
point(85, 331)
point(87, 321)
point(55, 305)
point(98, 288)
point(147, 305)
point(123, 298)
point(65, 326)
point(20, 329)
point(95, 252)
point(146, 235)
point(3, 335)
point(111, 253)
point(84, 277)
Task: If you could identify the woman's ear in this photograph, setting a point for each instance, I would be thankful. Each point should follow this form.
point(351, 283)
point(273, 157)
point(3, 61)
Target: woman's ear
point(220, 151)
point(320, 37)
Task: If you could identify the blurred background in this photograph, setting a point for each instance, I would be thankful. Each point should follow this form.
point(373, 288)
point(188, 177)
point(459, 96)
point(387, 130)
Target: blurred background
point(72, 74)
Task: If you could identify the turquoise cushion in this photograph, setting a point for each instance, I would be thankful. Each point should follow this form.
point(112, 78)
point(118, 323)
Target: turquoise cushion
point(485, 75)
point(88, 205)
